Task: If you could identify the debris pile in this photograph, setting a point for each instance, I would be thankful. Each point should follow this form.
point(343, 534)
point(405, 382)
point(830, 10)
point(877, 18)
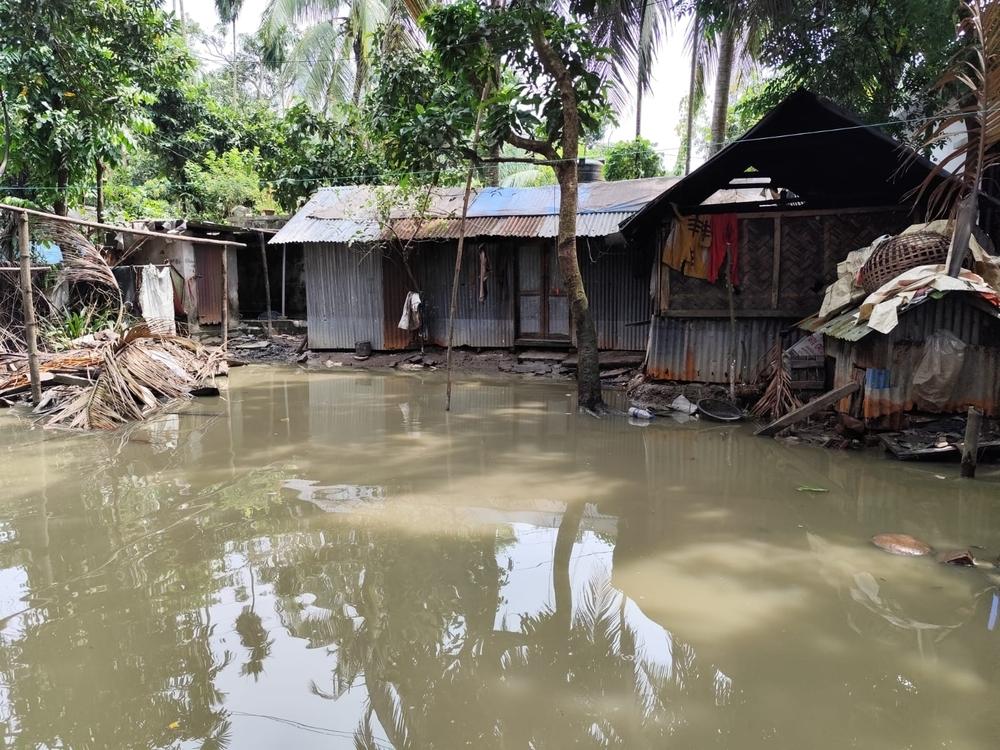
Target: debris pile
point(109, 379)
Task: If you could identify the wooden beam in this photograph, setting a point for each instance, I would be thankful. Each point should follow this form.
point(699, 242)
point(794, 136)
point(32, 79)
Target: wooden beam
point(115, 228)
point(28, 304)
point(803, 412)
point(970, 446)
point(225, 299)
point(776, 263)
point(267, 284)
point(722, 312)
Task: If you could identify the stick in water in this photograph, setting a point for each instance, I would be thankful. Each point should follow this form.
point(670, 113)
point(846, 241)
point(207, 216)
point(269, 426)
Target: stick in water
point(461, 244)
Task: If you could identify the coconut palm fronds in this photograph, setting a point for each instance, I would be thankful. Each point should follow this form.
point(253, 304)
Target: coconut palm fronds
point(82, 260)
point(971, 86)
point(778, 399)
point(138, 373)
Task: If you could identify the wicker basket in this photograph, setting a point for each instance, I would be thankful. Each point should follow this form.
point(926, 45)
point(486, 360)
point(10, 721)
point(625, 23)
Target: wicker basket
point(900, 254)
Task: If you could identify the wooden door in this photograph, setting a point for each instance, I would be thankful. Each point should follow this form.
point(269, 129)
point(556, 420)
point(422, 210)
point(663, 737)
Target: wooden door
point(542, 305)
point(208, 273)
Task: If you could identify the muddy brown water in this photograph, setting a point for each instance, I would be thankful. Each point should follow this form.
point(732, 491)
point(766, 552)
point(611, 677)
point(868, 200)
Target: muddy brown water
point(324, 559)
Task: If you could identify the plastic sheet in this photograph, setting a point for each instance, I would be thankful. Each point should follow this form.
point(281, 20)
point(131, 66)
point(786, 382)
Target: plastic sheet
point(939, 369)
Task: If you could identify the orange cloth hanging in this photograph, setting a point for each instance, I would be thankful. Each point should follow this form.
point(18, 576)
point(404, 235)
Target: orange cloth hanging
point(687, 248)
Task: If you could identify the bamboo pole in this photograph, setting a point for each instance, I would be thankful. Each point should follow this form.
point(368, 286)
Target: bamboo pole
point(461, 245)
point(115, 228)
point(267, 284)
point(225, 299)
point(28, 302)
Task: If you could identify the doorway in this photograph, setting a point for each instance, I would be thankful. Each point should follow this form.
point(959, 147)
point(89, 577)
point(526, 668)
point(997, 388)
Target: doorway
point(542, 304)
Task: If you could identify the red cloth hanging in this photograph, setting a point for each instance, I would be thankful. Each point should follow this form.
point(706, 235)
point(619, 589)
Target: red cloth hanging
point(725, 235)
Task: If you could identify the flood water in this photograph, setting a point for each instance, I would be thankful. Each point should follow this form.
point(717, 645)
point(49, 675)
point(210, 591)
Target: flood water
point(329, 560)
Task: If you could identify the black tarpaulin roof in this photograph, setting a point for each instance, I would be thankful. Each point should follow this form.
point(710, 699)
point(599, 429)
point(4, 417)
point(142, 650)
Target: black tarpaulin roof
point(823, 154)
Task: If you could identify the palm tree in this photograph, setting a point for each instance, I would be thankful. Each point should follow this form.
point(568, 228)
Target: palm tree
point(733, 37)
point(631, 30)
point(229, 11)
point(331, 58)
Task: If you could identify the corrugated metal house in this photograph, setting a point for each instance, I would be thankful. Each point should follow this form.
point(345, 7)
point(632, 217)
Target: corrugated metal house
point(823, 183)
point(198, 267)
point(354, 240)
point(885, 365)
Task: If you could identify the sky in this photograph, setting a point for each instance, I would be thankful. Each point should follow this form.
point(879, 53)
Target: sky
point(661, 109)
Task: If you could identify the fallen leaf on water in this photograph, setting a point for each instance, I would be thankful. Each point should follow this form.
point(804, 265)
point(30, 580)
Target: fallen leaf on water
point(807, 488)
point(174, 725)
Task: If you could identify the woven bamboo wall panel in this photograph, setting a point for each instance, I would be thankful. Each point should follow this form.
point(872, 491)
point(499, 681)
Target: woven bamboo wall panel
point(756, 264)
point(811, 248)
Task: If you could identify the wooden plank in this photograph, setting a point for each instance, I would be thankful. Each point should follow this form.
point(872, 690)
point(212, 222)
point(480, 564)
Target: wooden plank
point(970, 446)
point(776, 263)
point(62, 378)
point(722, 312)
point(803, 412)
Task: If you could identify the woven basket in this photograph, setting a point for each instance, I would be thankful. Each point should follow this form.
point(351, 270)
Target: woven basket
point(900, 254)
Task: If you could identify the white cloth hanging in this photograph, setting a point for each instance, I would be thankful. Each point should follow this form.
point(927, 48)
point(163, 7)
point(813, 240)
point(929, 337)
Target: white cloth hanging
point(410, 319)
point(156, 298)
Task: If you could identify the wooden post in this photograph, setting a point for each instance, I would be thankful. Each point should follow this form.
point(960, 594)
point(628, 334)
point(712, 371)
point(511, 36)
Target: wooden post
point(461, 244)
point(28, 303)
point(284, 264)
point(267, 284)
point(970, 448)
point(225, 298)
point(776, 267)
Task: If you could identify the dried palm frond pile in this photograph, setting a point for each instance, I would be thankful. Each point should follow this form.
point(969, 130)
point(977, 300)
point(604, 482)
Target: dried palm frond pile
point(778, 399)
point(117, 379)
point(82, 262)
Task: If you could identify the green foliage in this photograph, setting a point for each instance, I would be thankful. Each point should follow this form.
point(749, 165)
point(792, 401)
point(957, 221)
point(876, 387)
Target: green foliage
point(630, 160)
point(875, 57)
point(220, 183)
point(469, 36)
point(79, 78)
point(61, 332)
point(306, 150)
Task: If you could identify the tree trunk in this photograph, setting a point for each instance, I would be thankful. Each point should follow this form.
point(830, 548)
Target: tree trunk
point(359, 71)
point(59, 205)
point(640, 71)
point(99, 169)
point(723, 81)
point(588, 373)
point(491, 170)
point(235, 84)
point(695, 44)
point(562, 584)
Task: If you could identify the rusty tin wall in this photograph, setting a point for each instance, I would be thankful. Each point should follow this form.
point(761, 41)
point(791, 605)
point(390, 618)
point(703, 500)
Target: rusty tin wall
point(488, 324)
point(617, 284)
point(343, 295)
point(697, 350)
point(885, 365)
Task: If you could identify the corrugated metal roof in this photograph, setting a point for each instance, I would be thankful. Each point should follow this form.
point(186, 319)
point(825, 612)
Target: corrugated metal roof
point(352, 213)
point(844, 326)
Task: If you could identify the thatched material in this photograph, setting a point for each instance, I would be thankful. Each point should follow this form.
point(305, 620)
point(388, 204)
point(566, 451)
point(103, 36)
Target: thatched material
point(131, 377)
point(778, 399)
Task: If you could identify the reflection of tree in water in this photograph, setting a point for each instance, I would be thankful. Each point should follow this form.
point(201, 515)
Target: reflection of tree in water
point(412, 620)
point(253, 635)
point(115, 650)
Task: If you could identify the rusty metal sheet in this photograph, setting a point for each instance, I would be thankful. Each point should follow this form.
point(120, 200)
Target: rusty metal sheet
point(698, 350)
point(208, 271)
